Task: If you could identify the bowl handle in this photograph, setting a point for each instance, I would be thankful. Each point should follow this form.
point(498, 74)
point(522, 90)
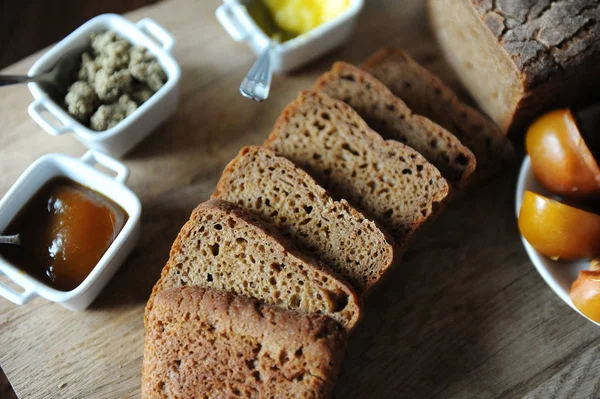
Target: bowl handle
point(156, 32)
point(93, 158)
point(228, 15)
point(36, 110)
point(19, 298)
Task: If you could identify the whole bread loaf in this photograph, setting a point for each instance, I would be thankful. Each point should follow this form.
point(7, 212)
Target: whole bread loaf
point(226, 248)
point(203, 343)
point(520, 58)
point(427, 95)
point(384, 178)
point(389, 116)
point(287, 197)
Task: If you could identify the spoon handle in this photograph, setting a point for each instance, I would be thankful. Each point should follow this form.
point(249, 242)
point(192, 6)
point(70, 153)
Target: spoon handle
point(7, 80)
point(257, 83)
point(14, 240)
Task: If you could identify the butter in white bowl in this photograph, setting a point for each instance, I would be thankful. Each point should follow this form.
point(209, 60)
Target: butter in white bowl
point(305, 29)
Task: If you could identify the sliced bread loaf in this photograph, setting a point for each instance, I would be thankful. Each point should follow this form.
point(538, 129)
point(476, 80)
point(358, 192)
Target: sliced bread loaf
point(389, 116)
point(386, 179)
point(203, 343)
point(224, 247)
point(287, 197)
point(427, 95)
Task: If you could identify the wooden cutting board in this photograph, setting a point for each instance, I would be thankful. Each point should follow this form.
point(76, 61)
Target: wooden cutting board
point(464, 315)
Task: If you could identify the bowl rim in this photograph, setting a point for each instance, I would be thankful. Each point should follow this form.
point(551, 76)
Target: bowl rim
point(167, 61)
point(67, 163)
point(527, 181)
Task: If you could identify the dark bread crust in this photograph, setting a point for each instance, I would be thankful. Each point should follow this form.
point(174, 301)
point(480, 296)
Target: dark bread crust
point(284, 195)
point(393, 119)
point(546, 40)
point(203, 343)
point(385, 179)
point(427, 95)
point(555, 46)
point(548, 52)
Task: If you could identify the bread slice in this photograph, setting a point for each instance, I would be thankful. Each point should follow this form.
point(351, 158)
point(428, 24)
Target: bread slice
point(427, 95)
point(389, 116)
point(287, 197)
point(386, 179)
point(203, 343)
point(226, 248)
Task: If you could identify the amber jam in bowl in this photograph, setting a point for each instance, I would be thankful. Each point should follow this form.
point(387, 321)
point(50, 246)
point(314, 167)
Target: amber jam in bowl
point(64, 231)
point(76, 225)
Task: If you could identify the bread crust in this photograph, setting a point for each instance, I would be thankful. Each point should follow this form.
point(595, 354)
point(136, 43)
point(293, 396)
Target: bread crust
point(545, 40)
point(203, 343)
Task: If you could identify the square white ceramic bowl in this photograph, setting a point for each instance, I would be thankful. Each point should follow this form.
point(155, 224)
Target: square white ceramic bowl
point(292, 54)
point(558, 274)
point(82, 171)
point(129, 132)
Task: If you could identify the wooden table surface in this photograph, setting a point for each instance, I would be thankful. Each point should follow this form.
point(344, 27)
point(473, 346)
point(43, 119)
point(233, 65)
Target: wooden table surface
point(465, 315)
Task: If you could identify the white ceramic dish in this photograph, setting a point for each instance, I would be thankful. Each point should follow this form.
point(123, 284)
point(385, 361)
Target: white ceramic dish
point(559, 275)
point(81, 171)
point(287, 56)
point(124, 136)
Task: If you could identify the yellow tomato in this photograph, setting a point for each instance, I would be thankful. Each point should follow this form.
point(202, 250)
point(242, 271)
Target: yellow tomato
point(558, 230)
point(585, 294)
point(560, 159)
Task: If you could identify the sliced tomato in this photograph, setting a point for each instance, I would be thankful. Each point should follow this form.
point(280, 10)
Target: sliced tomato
point(560, 158)
point(585, 294)
point(559, 230)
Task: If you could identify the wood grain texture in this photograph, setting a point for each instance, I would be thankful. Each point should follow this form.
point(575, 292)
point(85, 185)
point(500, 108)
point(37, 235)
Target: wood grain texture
point(464, 316)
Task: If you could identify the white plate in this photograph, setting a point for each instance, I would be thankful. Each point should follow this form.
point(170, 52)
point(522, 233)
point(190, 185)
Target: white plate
point(559, 275)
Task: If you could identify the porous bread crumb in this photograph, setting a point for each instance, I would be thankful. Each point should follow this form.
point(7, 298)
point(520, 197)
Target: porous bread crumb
point(226, 248)
point(108, 116)
point(425, 94)
point(287, 197)
point(81, 100)
point(385, 179)
point(389, 116)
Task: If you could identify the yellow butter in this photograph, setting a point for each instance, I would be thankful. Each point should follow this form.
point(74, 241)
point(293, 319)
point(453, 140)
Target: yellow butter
point(300, 16)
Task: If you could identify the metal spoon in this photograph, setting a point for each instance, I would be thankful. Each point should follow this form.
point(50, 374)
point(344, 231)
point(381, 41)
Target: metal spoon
point(14, 240)
point(58, 78)
point(257, 83)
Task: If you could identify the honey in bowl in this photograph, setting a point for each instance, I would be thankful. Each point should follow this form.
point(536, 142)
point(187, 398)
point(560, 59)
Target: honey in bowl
point(64, 231)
